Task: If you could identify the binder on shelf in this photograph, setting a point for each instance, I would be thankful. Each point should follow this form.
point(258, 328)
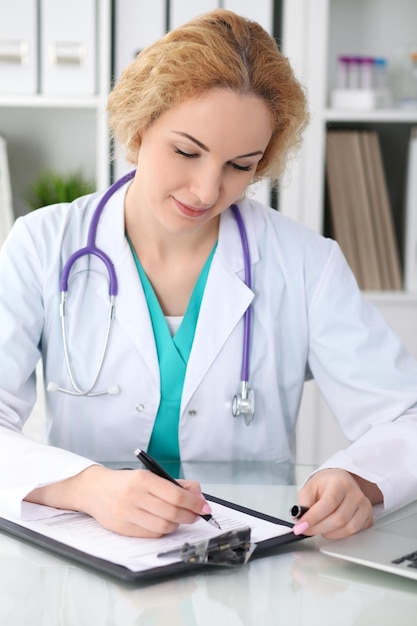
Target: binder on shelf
point(181, 11)
point(18, 47)
point(340, 201)
point(361, 214)
point(410, 256)
point(341, 225)
point(6, 205)
point(382, 215)
point(136, 25)
point(359, 209)
point(374, 208)
point(261, 11)
point(68, 47)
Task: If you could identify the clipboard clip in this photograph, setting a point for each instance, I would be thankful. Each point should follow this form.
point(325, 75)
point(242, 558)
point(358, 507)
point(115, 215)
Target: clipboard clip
point(229, 549)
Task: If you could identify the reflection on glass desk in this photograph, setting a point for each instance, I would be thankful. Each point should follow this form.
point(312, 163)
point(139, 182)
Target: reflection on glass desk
point(239, 472)
point(295, 586)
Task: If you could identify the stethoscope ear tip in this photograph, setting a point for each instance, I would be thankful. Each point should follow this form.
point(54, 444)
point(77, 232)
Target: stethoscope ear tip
point(52, 386)
point(113, 391)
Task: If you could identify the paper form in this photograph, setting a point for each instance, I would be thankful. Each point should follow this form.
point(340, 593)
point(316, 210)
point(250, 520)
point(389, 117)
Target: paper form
point(84, 533)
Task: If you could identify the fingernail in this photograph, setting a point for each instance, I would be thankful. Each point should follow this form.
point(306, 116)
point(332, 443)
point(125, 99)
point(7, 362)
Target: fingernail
point(300, 528)
point(206, 509)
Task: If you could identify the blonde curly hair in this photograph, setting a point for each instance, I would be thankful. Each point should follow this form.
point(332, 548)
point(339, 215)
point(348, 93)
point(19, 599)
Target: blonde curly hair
point(213, 51)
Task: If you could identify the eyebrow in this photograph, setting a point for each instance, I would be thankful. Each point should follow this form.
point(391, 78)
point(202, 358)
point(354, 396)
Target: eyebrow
point(204, 147)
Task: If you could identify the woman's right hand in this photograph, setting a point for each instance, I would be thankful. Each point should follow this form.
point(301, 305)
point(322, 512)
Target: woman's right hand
point(136, 503)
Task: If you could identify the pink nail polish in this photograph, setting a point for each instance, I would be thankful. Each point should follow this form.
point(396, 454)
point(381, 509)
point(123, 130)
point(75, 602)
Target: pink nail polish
point(300, 528)
point(206, 509)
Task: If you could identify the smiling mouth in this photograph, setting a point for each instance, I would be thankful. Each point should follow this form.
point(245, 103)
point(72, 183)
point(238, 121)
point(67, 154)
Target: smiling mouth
point(190, 211)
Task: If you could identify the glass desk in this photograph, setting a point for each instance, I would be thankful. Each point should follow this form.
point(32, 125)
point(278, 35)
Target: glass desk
point(296, 586)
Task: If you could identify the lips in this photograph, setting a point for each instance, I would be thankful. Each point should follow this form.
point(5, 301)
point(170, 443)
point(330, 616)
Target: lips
point(190, 211)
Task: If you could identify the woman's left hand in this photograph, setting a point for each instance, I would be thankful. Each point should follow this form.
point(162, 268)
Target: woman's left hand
point(340, 504)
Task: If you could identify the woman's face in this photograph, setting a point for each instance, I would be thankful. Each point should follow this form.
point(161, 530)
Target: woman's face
point(198, 158)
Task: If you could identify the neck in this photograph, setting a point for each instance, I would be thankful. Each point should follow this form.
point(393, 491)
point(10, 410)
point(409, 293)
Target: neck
point(150, 238)
point(172, 261)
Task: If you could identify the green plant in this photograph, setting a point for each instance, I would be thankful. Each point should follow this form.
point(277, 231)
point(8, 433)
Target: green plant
point(53, 187)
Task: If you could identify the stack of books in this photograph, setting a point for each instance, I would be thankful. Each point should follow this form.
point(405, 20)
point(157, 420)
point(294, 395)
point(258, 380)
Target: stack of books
point(410, 256)
point(360, 212)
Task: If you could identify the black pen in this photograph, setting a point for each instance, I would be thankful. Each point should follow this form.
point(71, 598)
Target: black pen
point(157, 469)
point(298, 511)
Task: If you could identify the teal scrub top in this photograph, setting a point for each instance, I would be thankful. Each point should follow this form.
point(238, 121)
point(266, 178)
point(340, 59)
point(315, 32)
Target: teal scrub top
point(173, 353)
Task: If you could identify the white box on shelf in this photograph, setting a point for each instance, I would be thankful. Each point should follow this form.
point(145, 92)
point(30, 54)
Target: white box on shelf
point(353, 99)
point(68, 47)
point(18, 47)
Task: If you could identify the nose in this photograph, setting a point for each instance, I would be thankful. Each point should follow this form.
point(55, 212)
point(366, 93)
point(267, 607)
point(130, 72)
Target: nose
point(206, 185)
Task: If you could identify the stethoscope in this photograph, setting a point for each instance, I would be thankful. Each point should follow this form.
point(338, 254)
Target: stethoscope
point(243, 402)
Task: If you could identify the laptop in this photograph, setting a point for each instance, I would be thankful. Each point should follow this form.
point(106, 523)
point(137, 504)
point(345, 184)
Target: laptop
point(390, 545)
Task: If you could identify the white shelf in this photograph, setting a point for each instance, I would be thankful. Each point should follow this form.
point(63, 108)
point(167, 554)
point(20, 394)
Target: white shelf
point(51, 102)
point(392, 297)
point(403, 116)
point(315, 32)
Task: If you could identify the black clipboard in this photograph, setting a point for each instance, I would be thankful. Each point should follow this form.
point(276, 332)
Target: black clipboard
point(123, 573)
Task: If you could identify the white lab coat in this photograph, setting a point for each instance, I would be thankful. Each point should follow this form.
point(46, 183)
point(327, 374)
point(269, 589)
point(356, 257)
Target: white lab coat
point(308, 317)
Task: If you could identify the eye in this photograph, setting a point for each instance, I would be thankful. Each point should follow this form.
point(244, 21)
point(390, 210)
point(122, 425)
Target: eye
point(241, 168)
point(187, 155)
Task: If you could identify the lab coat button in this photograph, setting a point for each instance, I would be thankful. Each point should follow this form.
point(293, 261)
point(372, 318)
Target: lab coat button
point(140, 407)
point(192, 412)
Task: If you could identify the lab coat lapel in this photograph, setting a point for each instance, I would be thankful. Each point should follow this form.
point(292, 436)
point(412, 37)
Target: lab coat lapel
point(131, 309)
point(225, 300)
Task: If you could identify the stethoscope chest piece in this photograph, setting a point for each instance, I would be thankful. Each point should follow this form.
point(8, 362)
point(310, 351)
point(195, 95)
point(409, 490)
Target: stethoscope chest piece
point(244, 404)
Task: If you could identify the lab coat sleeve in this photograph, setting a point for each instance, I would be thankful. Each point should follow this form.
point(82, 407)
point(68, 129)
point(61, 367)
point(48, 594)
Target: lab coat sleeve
point(369, 382)
point(24, 463)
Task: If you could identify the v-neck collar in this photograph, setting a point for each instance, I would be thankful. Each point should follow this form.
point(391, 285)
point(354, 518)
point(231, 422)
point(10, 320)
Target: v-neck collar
point(183, 339)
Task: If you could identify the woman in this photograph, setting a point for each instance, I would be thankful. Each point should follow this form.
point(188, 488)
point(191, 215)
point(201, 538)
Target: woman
point(203, 113)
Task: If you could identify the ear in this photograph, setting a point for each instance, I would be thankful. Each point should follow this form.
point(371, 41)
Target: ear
point(139, 135)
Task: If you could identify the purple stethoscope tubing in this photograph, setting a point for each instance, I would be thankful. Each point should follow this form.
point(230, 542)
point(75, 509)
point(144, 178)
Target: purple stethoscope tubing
point(248, 283)
point(91, 247)
point(243, 403)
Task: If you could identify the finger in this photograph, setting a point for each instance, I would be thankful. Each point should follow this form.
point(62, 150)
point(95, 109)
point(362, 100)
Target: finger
point(360, 519)
point(325, 493)
point(164, 509)
point(331, 519)
point(352, 515)
point(191, 485)
point(131, 529)
point(149, 524)
point(318, 510)
point(190, 499)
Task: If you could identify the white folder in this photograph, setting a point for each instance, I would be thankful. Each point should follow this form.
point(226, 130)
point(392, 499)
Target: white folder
point(18, 46)
point(137, 25)
point(182, 11)
point(68, 47)
point(261, 11)
point(410, 257)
